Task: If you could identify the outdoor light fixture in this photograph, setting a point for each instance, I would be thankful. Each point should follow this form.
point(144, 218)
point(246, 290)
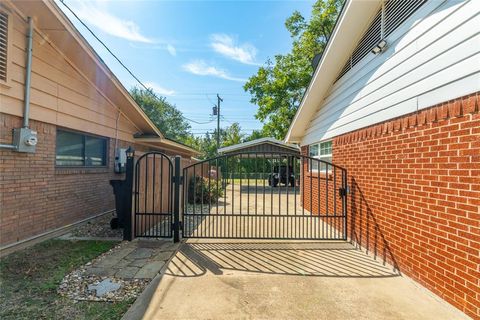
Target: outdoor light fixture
point(379, 47)
point(130, 152)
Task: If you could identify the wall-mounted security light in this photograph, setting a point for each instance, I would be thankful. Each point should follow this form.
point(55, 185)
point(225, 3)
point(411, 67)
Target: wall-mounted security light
point(381, 46)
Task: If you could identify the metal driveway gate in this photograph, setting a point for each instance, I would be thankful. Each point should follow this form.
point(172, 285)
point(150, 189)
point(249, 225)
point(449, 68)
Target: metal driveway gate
point(264, 196)
point(243, 196)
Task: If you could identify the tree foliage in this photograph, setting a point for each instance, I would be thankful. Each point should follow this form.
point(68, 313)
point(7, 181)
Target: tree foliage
point(168, 119)
point(278, 86)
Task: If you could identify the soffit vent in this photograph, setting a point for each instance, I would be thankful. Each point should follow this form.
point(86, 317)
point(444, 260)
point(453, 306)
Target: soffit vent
point(392, 14)
point(3, 45)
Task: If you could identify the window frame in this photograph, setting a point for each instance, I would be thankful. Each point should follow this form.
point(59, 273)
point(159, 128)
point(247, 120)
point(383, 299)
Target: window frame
point(8, 81)
point(84, 139)
point(321, 156)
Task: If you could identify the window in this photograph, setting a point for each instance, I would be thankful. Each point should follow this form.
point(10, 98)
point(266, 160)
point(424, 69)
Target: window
point(3, 45)
point(80, 150)
point(322, 151)
point(392, 14)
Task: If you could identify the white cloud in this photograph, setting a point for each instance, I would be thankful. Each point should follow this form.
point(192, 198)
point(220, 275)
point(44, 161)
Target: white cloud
point(159, 89)
point(171, 49)
point(91, 13)
point(226, 46)
point(201, 68)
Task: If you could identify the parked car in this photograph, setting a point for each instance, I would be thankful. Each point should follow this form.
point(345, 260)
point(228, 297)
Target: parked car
point(279, 175)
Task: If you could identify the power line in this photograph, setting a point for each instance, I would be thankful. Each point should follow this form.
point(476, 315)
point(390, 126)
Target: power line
point(118, 59)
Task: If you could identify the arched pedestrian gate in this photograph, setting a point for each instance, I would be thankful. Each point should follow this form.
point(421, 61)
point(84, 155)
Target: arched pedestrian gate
point(244, 196)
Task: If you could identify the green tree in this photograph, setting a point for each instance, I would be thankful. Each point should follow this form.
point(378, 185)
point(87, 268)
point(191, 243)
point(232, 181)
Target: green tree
point(277, 88)
point(168, 119)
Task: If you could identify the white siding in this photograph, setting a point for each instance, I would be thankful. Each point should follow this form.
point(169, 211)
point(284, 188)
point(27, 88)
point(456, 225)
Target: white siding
point(434, 56)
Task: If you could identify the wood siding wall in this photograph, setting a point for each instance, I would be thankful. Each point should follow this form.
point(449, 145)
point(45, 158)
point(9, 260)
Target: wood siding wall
point(60, 95)
point(432, 57)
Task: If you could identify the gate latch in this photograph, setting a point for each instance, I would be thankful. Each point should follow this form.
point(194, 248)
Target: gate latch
point(342, 192)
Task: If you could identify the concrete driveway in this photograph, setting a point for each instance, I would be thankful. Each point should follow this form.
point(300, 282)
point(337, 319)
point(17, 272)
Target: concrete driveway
point(239, 279)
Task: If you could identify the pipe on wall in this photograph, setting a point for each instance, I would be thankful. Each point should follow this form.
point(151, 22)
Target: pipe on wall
point(28, 73)
point(28, 78)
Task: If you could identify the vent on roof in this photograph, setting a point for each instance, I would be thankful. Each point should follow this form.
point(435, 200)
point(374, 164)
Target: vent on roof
point(387, 19)
point(3, 45)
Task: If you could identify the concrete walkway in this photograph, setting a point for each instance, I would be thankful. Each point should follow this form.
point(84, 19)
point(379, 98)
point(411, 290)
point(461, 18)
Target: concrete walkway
point(283, 280)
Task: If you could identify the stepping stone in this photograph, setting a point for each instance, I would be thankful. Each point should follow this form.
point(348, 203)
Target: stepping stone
point(127, 273)
point(150, 270)
point(138, 263)
point(140, 253)
point(104, 287)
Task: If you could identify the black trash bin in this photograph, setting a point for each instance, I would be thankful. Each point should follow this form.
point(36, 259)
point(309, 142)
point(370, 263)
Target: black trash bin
point(119, 190)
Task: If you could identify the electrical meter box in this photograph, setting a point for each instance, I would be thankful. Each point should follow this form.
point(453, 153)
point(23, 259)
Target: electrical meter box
point(120, 160)
point(25, 139)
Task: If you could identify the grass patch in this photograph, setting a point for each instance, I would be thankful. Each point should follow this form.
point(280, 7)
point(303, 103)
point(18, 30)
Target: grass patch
point(29, 280)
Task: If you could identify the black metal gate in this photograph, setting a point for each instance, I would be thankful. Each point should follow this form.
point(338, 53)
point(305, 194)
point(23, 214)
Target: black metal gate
point(264, 196)
point(153, 201)
point(244, 196)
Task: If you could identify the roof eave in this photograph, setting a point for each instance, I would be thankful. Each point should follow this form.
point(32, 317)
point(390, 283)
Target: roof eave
point(345, 35)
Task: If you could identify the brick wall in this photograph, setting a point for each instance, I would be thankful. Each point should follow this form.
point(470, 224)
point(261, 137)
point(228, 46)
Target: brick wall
point(36, 197)
point(415, 196)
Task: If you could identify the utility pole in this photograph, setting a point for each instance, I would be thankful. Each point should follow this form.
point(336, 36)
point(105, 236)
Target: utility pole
point(218, 121)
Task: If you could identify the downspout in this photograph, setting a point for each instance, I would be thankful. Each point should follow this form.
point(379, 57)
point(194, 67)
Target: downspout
point(28, 74)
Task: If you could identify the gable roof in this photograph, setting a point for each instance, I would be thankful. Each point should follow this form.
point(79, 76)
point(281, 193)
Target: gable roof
point(352, 21)
point(248, 144)
point(64, 36)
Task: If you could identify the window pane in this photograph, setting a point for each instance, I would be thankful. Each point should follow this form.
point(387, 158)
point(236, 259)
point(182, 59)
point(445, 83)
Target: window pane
point(95, 149)
point(315, 165)
point(313, 150)
point(326, 148)
point(69, 149)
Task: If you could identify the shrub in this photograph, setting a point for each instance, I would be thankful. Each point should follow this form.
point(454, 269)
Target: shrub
point(210, 190)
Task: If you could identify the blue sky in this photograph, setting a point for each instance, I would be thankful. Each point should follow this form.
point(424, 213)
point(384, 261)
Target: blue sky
point(190, 50)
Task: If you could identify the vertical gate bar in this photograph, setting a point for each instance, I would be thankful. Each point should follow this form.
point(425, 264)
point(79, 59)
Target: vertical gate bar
point(171, 197)
point(146, 195)
point(288, 185)
point(201, 187)
point(176, 204)
point(294, 222)
point(329, 231)
point(271, 195)
point(335, 201)
point(136, 199)
point(264, 160)
point(344, 203)
point(195, 218)
point(224, 232)
point(256, 194)
point(309, 218)
point(238, 225)
point(231, 227)
point(161, 194)
point(127, 231)
point(210, 189)
point(320, 224)
point(217, 195)
point(184, 197)
point(304, 171)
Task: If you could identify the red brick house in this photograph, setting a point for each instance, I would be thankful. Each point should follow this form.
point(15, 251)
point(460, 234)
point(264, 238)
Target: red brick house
point(395, 100)
point(77, 112)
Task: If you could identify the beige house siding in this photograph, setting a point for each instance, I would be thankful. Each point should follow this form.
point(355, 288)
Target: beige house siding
point(60, 94)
